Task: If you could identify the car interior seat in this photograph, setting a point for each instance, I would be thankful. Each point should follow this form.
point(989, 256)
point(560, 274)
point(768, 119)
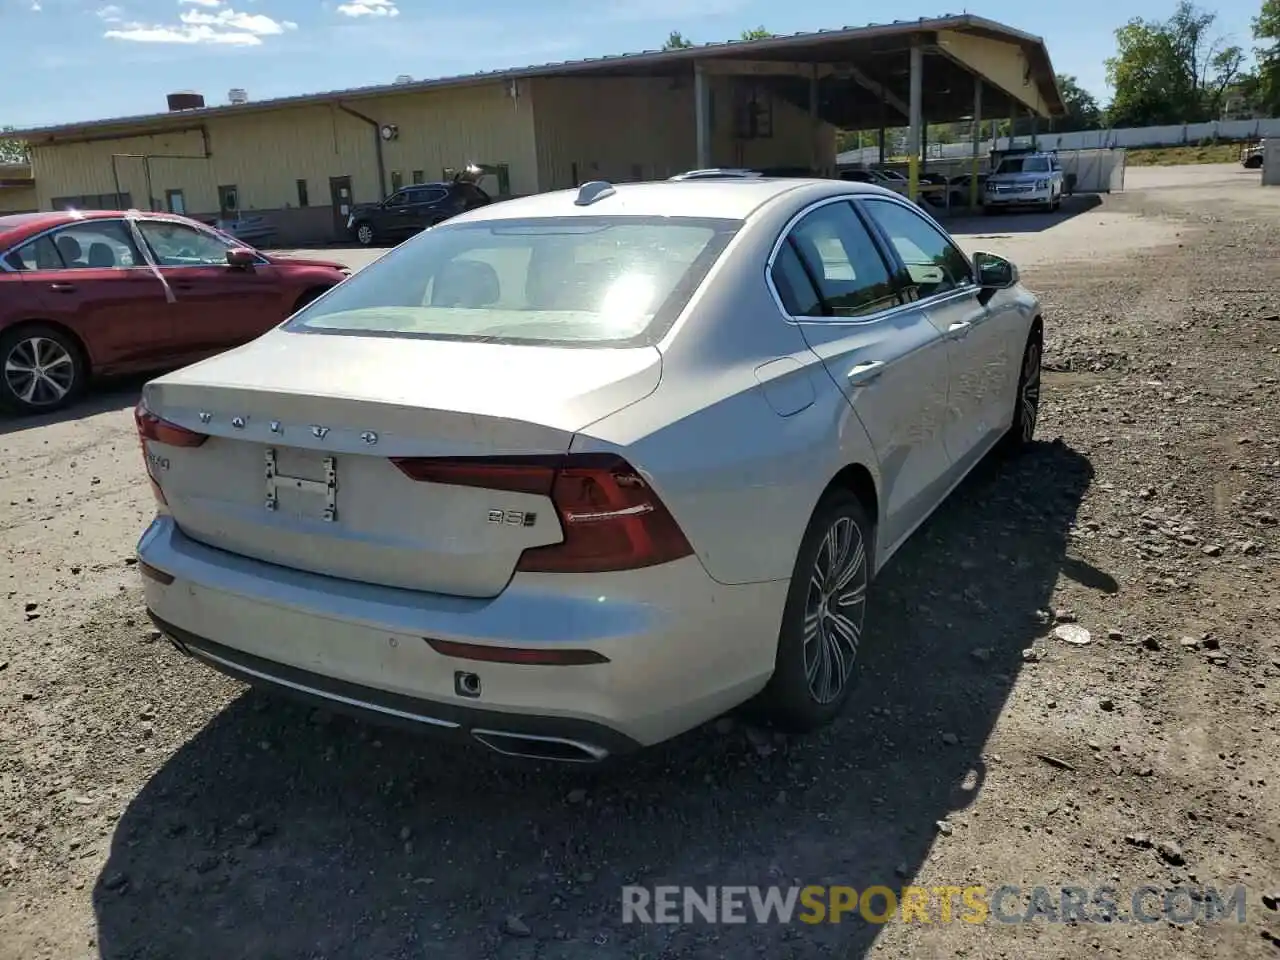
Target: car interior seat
point(101, 255)
point(71, 251)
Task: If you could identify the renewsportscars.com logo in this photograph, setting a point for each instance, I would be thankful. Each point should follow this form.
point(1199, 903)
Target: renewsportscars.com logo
point(943, 904)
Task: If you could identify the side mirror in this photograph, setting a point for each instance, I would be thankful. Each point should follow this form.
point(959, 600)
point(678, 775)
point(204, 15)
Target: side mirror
point(994, 273)
point(241, 257)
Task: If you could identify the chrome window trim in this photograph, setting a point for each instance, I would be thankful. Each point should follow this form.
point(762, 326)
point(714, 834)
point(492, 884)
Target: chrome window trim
point(4, 254)
point(935, 300)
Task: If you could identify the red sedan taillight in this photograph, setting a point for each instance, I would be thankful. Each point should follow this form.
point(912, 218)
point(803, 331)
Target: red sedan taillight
point(612, 519)
point(158, 430)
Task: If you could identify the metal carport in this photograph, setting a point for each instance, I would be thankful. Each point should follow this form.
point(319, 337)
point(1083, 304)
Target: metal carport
point(906, 73)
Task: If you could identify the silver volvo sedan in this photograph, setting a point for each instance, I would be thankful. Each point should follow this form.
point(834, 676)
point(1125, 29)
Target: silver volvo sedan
point(572, 474)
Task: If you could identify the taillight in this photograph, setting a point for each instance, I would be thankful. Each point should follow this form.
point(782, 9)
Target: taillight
point(151, 427)
point(612, 519)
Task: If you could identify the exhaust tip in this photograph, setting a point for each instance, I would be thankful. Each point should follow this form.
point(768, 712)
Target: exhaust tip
point(531, 747)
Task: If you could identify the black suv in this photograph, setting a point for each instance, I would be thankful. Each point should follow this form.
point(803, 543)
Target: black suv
point(413, 209)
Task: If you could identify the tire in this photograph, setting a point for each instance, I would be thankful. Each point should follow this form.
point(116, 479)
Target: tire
point(1253, 163)
point(810, 686)
point(365, 235)
point(1026, 401)
point(57, 364)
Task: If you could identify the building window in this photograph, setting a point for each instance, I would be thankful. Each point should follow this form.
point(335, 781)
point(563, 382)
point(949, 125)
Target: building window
point(419, 176)
point(174, 202)
point(99, 201)
point(397, 180)
point(302, 194)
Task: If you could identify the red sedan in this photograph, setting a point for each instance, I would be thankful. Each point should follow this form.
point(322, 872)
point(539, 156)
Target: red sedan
point(88, 293)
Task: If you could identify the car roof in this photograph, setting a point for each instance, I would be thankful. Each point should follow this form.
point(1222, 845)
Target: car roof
point(731, 198)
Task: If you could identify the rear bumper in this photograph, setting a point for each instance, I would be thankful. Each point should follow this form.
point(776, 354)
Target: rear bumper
point(568, 738)
point(681, 648)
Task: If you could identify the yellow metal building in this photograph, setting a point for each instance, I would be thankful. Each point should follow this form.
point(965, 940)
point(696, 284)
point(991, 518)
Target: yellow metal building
point(17, 189)
point(301, 162)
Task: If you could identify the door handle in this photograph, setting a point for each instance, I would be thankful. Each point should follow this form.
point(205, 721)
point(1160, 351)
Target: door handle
point(62, 287)
point(866, 372)
point(959, 329)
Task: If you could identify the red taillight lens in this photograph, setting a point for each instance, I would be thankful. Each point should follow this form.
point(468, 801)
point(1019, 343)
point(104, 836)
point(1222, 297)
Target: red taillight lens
point(151, 427)
point(612, 519)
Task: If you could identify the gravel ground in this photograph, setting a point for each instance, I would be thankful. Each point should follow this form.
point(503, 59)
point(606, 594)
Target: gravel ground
point(151, 809)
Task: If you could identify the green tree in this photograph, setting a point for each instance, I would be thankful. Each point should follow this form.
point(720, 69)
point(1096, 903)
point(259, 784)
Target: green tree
point(759, 33)
point(1083, 112)
point(12, 150)
point(1170, 71)
point(1266, 29)
point(676, 41)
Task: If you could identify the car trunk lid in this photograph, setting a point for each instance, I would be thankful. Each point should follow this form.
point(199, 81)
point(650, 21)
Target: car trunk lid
point(303, 428)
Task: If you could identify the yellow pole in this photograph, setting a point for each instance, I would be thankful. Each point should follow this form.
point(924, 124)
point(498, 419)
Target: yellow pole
point(977, 137)
point(916, 120)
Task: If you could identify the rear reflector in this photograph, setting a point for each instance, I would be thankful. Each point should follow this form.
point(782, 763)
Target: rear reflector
point(525, 655)
point(612, 519)
point(151, 427)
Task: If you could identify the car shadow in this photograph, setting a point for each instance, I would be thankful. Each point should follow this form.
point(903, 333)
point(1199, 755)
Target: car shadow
point(278, 831)
point(119, 393)
point(1017, 221)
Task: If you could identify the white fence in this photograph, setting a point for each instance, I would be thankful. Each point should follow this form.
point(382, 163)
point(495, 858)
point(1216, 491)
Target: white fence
point(1170, 136)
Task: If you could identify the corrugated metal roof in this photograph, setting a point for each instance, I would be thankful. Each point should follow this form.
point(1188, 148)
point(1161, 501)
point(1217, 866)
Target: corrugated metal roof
point(559, 68)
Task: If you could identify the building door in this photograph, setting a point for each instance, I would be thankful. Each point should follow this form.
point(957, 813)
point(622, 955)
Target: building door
point(228, 202)
point(175, 203)
point(340, 197)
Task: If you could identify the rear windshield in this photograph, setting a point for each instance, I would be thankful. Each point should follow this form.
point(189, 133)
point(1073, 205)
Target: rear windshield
point(572, 281)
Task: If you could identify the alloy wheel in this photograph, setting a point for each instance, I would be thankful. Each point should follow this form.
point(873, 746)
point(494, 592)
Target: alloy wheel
point(834, 610)
point(1029, 395)
point(364, 233)
point(39, 371)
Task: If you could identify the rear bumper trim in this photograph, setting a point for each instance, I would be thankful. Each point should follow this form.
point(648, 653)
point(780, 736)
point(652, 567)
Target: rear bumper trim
point(380, 706)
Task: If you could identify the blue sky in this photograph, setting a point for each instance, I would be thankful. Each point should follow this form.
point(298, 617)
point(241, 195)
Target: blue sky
point(88, 59)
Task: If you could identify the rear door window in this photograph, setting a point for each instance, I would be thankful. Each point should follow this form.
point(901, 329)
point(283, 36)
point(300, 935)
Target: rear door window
point(89, 244)
point(840, 261)
point(425, 196)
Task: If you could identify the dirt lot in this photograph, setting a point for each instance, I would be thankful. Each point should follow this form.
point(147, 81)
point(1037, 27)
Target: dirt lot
point(150, 809)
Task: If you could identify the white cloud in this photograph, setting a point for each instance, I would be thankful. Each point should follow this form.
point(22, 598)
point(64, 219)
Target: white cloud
point(35, 6)
point(139, 33)
point(224, 27)
point(111, 13)
point(255, 23)
point(369, 8)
